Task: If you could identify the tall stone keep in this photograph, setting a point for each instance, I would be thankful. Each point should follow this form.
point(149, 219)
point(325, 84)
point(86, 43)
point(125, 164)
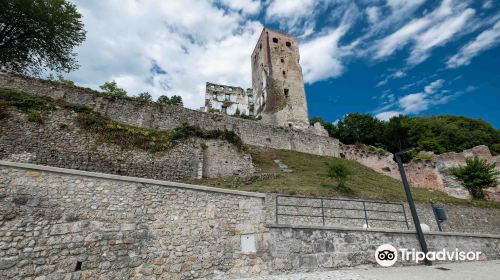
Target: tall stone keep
point(277, 80)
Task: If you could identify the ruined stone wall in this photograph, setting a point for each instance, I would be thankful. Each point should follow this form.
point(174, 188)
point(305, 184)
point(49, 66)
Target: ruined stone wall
point(59, 142)
point(312, 248)
point(168, 117)
point(228, 99)
point(54, 221)
point(431, 173)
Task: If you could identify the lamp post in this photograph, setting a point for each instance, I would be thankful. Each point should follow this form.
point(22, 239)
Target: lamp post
point(413, 209)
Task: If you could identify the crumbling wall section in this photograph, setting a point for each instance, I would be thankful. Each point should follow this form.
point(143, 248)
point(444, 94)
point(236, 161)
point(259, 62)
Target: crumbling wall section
point(59, 142)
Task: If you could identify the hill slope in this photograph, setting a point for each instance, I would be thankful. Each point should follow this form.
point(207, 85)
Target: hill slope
point(309, 177)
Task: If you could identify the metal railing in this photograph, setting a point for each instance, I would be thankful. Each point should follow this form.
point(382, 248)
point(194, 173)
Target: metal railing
point(325, 204)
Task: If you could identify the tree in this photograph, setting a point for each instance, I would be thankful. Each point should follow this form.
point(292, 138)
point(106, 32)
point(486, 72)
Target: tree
point(36, 35)
point(476, 175)
point(163, 99)
point(112, 89)
point(174, 100)
point(144, 97)
point(359, 128)
point(397, 134)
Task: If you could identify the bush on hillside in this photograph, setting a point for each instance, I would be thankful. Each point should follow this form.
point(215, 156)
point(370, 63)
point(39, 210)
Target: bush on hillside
point(476, 175)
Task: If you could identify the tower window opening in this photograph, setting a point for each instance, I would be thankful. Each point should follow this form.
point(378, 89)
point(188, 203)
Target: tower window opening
point(260, 46)
point(282, 60)
point(284, 74)
point(275, 40)
point(286, 92)
point(288, 44)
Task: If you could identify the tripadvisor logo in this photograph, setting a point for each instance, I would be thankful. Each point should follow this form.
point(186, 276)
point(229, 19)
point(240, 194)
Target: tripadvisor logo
point(387, 255)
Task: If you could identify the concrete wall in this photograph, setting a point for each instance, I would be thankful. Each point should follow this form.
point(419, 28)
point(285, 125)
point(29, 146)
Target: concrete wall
point(59, 142)
point(168, 117)
point(312, 248)
point(122, 227)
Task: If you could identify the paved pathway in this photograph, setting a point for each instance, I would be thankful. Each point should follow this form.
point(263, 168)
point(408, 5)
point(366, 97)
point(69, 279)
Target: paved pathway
point(485, 270)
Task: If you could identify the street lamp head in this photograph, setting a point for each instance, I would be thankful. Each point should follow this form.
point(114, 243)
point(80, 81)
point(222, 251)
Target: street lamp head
point(404, 151)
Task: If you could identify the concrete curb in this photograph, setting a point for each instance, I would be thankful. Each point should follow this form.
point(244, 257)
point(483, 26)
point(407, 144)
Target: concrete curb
point(128, 179)
point(384, 230)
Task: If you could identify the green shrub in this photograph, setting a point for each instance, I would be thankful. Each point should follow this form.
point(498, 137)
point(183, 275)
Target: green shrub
point(476, 175)
point(495, 149)
point(35, 116)
point(112, 89)
point(339, 172)
point(144, 97)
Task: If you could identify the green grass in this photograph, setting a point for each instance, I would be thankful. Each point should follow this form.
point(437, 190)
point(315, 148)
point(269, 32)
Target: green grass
point(309, 177)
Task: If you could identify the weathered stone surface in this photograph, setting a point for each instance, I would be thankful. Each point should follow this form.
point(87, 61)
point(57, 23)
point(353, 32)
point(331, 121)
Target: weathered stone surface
point(73, 148)
point(431, 173)
point(168, 117)
point(122, 229)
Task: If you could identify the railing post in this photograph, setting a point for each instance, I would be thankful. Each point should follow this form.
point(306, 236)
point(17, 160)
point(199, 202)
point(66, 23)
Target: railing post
point(277, 196)
point(323, 212)
point(406, 220)
point(366, 215)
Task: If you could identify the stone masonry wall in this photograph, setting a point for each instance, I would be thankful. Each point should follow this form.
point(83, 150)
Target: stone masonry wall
point(59, 142)
point(295, 248)
point(427, 173)
point(51, 223)
point(69, 224)
point(168, 117)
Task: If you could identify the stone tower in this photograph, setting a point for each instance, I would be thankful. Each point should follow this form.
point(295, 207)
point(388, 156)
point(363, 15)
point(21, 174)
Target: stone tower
point(277, 80)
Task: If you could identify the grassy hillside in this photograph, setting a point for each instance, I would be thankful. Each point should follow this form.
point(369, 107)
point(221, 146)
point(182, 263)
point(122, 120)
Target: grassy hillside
point(309, 177)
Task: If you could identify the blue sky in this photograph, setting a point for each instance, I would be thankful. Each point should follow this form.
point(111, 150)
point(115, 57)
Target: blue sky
point(384, 57)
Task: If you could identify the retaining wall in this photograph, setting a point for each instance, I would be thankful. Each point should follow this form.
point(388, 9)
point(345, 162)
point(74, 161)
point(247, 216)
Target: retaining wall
point(167, 117)
point(314, 248)
point(59, 142)
point(59, 223)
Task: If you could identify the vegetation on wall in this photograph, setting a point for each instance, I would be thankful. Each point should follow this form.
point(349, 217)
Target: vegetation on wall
point(476, 175)
point(38, 107)
point(439, 134)
point(39, 35)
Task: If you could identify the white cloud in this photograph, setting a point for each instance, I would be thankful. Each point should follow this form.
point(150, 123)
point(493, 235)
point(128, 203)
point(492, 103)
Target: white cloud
point(424, 34)
point(321, 57)
point(430, 88)
point(246, 6)
point(292, 13)
point(373, 14)
point(417, 102)
point(414, 103)
point(438, 35)
point(189, 42)
point(484, 41)
point(385, 116)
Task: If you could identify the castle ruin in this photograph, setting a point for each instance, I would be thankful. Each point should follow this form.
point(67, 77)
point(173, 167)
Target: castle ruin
point(277, 94)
